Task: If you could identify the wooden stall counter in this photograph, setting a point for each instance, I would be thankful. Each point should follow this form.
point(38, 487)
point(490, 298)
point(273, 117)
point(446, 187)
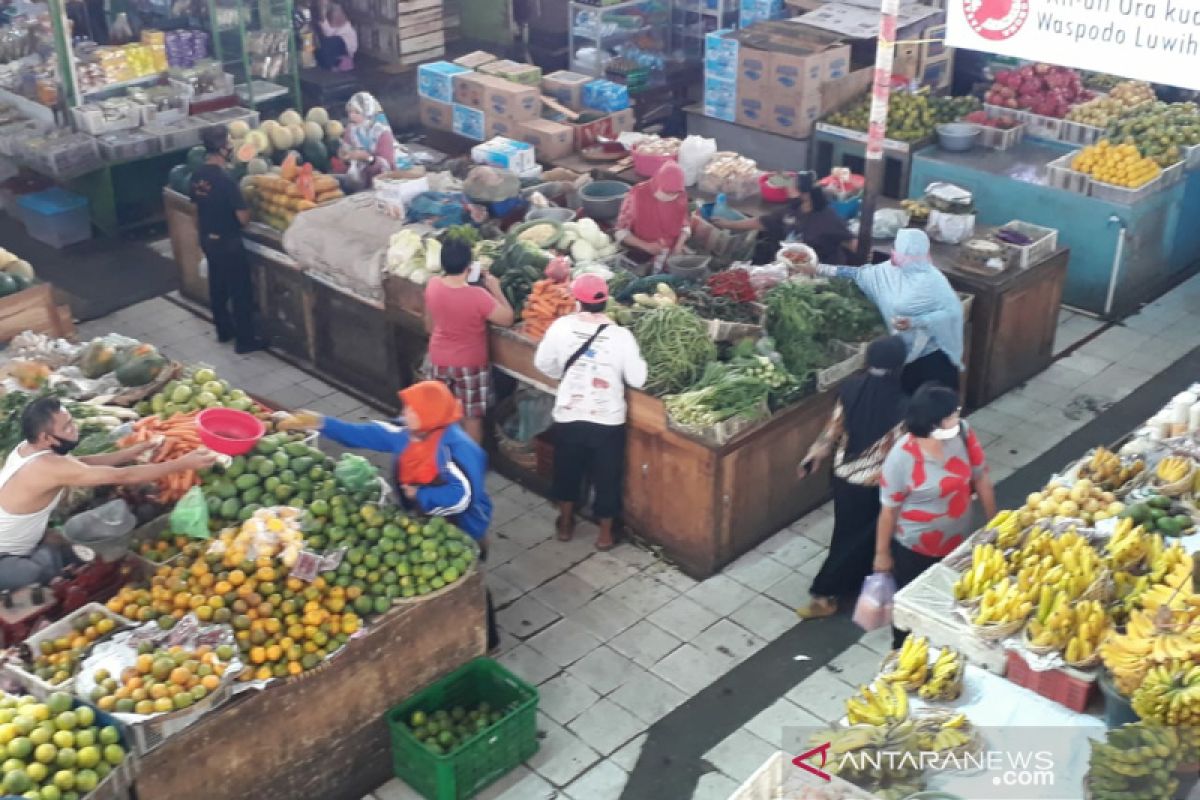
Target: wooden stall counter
point(322, 734)
point(704, 505)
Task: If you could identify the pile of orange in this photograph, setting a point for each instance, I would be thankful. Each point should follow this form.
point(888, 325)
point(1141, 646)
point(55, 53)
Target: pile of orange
point(283, 625)
point(56, 659)
point(1118, 164)
point(162, 680)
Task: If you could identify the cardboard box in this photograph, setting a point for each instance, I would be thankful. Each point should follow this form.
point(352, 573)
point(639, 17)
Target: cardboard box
point(754, 73)
point(501, 126)
point(608, 127)
point(721, 55)
point(498, 97)
point(526, 74)
point(435, 80)
point(505, 153)
point(751, 112)
point(793, 117)
point(837, 62)
point(720, 99)
point(475, 60)
point(566, 87)
point(469, 122)
point(550, 140)
point(436, 115)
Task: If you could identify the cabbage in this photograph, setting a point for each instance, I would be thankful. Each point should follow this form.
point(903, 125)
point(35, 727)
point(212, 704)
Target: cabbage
point(433, 255)
point(582, 250)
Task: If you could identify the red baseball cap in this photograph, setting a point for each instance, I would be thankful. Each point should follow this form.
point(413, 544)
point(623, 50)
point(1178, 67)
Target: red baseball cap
point(588, 288)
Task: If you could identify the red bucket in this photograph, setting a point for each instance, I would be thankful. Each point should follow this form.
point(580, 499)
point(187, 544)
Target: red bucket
point(647, 165)
point(229, 431)
point(772, 194)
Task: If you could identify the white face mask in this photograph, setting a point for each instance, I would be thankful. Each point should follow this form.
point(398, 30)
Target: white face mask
point(946, 434)
point(665, 197)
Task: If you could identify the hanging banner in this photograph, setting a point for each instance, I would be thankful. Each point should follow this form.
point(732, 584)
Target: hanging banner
point(1150, 40)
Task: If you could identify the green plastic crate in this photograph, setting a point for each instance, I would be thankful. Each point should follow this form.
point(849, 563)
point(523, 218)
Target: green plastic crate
point(483, 758)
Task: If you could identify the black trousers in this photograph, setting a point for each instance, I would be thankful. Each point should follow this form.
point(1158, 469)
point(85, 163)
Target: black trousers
point(588, 450)
point(936, 367)
point(230, 293)
point(330, 49)
point(906, 567)
point(852, 548)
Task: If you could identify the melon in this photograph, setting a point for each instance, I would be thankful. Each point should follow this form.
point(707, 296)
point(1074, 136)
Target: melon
point(196, 157)
point(257, 166)
point(180, 178)
point(313, 132)
point(281, 138)
point(238, 129)
point(260, 140)
point(6, 258)
point(268, 125)
point(20, 267)
point(318, 115)
point(7, 285)
point(245, 153)
point(298, 134)
point(334, 129)
point(290, 117)
point(98, 358)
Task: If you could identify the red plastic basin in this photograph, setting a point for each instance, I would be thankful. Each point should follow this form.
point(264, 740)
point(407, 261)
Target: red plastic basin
point(772, 194)
point(229, 431)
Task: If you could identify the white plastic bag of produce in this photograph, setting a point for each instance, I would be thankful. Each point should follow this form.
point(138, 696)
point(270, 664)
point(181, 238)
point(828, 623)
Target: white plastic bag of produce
point(950, 228)
point(874, 607)
point(887, 222)
point(694, 155)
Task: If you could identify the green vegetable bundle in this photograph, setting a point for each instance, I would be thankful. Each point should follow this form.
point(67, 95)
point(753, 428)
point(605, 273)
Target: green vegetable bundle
point(467, 234)
point(732, 396)
point(676, 347)
point(804, 318)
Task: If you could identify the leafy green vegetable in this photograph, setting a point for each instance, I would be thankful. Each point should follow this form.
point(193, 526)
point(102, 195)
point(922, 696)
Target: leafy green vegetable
point(804, 318)
point(676, 347)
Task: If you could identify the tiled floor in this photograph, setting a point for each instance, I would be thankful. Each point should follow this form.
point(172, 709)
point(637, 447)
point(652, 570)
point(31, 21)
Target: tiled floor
point(617, 640)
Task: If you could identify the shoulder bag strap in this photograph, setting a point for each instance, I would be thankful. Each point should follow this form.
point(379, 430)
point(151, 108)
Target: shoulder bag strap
point(583, 348)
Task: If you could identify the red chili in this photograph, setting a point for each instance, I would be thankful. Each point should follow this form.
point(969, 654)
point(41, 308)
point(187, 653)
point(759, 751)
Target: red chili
point(734, 284)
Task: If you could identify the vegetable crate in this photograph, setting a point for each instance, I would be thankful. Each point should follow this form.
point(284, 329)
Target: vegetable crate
point(1069, 687)
point(1062, 176)
point(1042, 247)
point(64, 627)
point(483, 758)
point(1001, 138)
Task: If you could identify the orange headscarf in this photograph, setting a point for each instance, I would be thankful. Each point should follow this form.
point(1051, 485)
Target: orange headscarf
point(437, 409)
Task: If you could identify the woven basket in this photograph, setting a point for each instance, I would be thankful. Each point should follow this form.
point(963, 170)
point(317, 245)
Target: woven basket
point(1037, 649)
point(997, 632)
point(1088, 663)
point(1176, 488)
point(520, 453)
point(1102, 589)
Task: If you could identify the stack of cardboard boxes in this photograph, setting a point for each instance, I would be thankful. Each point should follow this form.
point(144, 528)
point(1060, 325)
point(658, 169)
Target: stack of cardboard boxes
point(480, 97)
point(770, 76)
point(402, 32)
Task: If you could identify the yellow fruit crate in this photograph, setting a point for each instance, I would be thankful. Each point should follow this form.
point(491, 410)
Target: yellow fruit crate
point(1123, 195)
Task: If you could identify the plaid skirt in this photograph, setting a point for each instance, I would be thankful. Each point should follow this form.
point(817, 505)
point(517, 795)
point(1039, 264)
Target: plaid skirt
point(471, 385)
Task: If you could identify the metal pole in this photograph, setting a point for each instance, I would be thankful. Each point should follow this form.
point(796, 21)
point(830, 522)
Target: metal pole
point(885, 51)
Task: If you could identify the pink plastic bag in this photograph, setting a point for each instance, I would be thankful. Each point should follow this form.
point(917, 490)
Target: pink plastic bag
point(874, 607)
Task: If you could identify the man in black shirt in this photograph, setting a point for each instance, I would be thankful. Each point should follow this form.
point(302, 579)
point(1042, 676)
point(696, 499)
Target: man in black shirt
point(221, 212)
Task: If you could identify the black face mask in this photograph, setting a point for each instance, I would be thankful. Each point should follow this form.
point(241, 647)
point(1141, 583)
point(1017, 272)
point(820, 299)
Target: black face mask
point(64, 446)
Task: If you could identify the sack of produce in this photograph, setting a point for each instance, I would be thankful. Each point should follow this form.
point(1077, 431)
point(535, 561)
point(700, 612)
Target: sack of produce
point(190, 515)
point(874, 607)
point(491, 185)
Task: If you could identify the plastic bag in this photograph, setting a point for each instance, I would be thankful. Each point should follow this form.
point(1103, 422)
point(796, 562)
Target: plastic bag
point(190, 515)
point(354, 472)
point(439, 209)
point(874, 607)
point(888, 221)
point(491, 184)
point(105, 529)
point(950, 228)
point(694, 155)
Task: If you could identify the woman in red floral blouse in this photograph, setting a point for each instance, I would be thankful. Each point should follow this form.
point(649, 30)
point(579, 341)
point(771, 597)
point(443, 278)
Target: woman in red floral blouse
point(926, 487)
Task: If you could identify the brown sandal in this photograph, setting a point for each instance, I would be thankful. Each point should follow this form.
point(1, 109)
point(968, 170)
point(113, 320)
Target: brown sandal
point(818, 608)
point(607, 539)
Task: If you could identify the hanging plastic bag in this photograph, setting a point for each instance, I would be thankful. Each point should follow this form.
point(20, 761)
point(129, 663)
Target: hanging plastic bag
point(104, 529)
point(354, 472)
point(888, 221)
point(874, 607)
point(694, 155)
point(950, 228)
point(190, 515)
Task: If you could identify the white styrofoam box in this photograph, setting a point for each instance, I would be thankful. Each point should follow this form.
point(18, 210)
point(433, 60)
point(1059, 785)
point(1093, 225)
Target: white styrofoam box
point(720, 99)
point(505, 153)
point(435, 80)
point(469, 122)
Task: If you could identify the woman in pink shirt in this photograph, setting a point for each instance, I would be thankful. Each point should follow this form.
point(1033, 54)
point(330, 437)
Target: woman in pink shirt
point(338, 39)
point(456, 316)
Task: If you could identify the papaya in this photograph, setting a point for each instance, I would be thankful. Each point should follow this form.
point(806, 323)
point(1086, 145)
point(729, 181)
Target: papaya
point(98, 358)
point(246, 153)
point(141, 370)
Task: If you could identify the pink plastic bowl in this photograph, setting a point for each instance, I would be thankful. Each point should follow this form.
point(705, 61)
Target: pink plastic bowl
point(647, 165)
point(229, 431)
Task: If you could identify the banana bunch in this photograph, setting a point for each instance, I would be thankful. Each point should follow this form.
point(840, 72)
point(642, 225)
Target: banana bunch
point(917, 209)
point(1007, 601)
point(882, 703)
point(1169, 694)
point(1173, 468)
point(1148, 642)
point(850, 738)
point(1051, 625)
point(1131, 547)
point(1106, 470)
point(1169, 583)
point(936, 735)
point(912, 664)
point(1090, 627)
point(1008, 527)
point(1134, 761)
point(894, 777)
point(946, 679)
point(987, 567)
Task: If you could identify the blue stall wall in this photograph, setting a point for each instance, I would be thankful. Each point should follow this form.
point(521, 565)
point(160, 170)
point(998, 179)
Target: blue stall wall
point(1162, 231)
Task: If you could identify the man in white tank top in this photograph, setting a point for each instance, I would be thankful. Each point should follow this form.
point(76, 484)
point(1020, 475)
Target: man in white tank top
point(40, 469)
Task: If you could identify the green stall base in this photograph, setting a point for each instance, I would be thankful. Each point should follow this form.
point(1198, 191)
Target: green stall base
point(127, 194)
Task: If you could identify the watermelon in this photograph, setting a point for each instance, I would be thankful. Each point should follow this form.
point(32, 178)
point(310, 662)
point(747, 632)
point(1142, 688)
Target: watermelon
point(180, 178)
point(196, 157)
point(140, 370)
point(315, 154)
point(257, 166)
point(20, 267)
point(7, 285)
point(22, 282)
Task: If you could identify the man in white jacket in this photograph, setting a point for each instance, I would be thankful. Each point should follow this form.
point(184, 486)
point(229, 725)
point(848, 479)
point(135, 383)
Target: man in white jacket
point(594, 360)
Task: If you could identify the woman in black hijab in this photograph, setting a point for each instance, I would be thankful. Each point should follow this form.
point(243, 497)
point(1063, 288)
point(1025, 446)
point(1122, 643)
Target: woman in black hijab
point(866, 421)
